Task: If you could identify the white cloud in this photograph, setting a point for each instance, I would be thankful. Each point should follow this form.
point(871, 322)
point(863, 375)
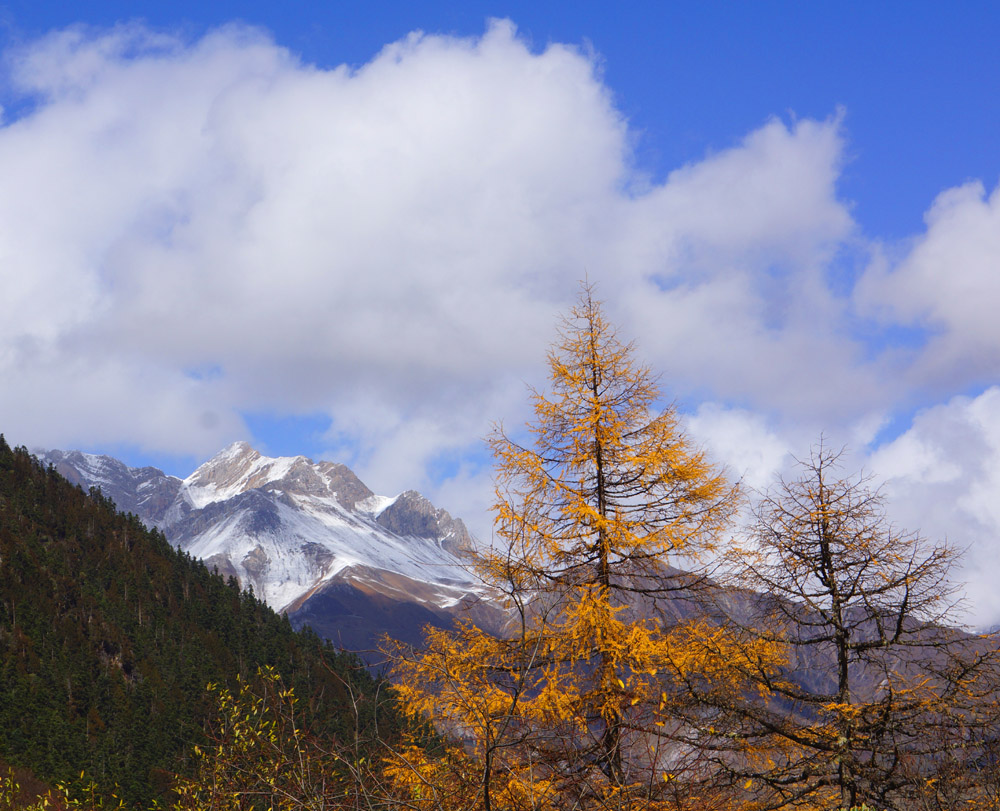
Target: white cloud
point(949, 283)
point(942, 477)
point(735, 297)
point(752, 451)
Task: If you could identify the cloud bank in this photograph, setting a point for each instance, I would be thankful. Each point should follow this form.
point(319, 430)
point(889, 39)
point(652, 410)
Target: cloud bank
point(196, 231)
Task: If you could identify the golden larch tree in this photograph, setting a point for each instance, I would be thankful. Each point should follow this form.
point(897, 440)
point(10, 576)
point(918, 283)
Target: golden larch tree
point(571, 707)
point(885, 702)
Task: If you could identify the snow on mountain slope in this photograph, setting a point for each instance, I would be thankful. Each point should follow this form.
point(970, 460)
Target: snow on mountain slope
point(288, 526)
point(145, 491)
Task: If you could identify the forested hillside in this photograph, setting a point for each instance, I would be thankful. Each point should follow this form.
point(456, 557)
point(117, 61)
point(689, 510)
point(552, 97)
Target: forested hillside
point(109, 637)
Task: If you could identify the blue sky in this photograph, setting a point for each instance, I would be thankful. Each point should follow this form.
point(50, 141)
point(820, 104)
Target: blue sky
point(308, 226)
point(914, 77)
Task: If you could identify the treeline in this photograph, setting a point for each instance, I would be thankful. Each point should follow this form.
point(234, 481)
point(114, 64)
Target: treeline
point(109, 637)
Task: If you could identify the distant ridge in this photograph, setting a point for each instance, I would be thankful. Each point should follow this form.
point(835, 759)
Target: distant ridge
point(309, 538)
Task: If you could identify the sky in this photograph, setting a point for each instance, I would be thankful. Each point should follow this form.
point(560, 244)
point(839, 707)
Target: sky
point(348, 230)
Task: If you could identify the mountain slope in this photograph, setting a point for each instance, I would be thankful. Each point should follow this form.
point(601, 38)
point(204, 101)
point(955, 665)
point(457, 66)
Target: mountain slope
point(109, 636)
point(309, 538)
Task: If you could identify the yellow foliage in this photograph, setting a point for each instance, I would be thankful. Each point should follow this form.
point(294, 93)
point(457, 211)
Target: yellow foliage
point(82, 796)
point(570, 704)
point(260, 758)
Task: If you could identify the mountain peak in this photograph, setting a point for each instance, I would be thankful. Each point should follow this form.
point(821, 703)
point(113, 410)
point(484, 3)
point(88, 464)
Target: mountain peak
point(238, 454)
point(239, 468)
point(234, 470)
point(237, 448)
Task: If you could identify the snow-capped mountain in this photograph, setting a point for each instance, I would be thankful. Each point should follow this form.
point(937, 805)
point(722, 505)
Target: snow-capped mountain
point(310, 538)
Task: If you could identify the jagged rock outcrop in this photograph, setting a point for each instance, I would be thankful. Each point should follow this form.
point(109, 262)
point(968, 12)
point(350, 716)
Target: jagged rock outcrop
point(412, 514)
